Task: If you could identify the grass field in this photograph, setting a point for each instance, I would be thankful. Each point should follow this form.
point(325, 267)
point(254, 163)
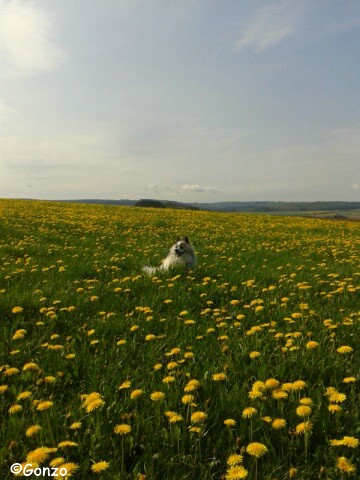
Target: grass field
point(247, 367)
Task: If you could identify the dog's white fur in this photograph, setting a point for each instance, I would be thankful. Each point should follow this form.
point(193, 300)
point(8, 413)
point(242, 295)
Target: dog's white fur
point(182, 253)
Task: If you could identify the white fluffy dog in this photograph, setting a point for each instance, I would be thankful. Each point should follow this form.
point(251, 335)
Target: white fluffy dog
point(182, 253)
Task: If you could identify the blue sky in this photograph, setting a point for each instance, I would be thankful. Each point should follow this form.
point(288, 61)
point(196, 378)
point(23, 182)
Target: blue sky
point(187, 100)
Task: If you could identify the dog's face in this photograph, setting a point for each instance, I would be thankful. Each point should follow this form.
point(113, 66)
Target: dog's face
point(182, 246)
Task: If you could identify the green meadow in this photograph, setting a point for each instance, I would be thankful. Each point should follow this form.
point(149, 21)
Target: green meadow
point(247, 367)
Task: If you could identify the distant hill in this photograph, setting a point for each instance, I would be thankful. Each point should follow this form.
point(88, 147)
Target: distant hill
point(95, 201)
point(251, 207)
point(270, 206)
point(145, 202)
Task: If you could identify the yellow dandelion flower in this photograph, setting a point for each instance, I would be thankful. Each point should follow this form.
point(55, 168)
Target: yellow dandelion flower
point(345, 349)
point(169, 413)
point(122, 429)
point(172, 365)
point(136, 393)
point(287, 387)
point(70, 468)
point(168, 379)
point(195, 429)
point(335, 443)
point(57, 461)
point(256, 449)
point(32, 430)
point(198, 417)
point(19, 334)
point(75, 425)
point(93, 401)
point(278, 423)
point(230, 422)
point(94, 405)
point(236, 472)
point(23, 395)
point(337, 397)
point(186, 399)
point(157, 396)
point(334, 408)
point(249, 412)
point(234, 459)
point(49, 379)
point(254, 354)
point(266, 419)
point(330, 390)
point(44, 405)
point(303, 428)
point(255, 393)
point(11, 371)
point(31, 366)
point(292, 472)
point(3, 388)
point(150, 337)
point(303, 411)
point(351, 442)
point(345, 465)
point(298, 385)
point(67, 443)
point(306, 401)
point(15, 408)
point(192, 385)
point(39, 455)
point(17, 310)
point(99, 467)
point(90, 397)
point(175, 417)
point(189, 322)
point(219, 377)
point(125, 385)
point(272, 383)
point(311, 345)
point(349, 380)
point(279, 394)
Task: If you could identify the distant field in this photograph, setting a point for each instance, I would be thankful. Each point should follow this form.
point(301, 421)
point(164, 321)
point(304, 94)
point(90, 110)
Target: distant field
point(247, 367)
point(336, 214)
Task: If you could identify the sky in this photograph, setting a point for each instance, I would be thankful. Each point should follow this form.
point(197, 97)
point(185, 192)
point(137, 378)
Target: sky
point(187, 100)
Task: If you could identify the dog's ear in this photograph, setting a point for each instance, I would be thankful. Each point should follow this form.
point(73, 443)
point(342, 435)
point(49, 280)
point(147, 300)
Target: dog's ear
point(187, 239)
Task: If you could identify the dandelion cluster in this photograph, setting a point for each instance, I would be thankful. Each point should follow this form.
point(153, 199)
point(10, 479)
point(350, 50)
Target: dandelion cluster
point(244, 367)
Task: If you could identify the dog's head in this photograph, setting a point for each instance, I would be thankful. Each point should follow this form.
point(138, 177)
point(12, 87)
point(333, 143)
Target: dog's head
point(182, 246)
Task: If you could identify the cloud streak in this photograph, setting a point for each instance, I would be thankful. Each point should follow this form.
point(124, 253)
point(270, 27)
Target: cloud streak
point(270, 26)
point(198, 188)
point(27, 37)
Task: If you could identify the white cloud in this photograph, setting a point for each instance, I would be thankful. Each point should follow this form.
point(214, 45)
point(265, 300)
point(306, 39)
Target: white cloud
point(27, 38)
point(355, 186)
point(198, 188)
point(271, 25)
